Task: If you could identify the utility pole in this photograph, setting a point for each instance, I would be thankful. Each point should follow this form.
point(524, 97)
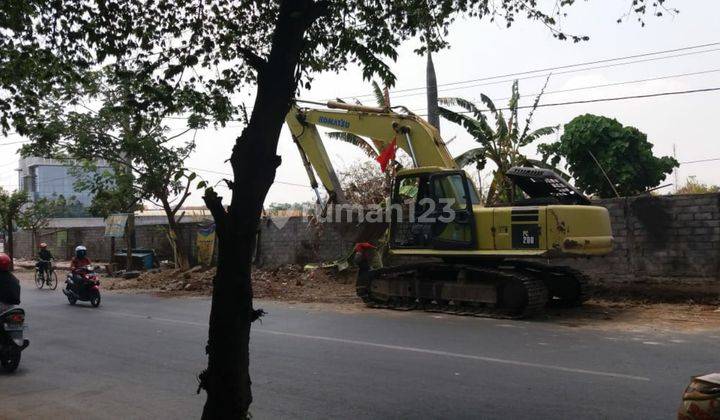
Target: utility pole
point(432, 93)
point(676, 169)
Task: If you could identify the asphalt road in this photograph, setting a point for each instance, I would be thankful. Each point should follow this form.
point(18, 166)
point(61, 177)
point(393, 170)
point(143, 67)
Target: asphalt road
point(137, 356)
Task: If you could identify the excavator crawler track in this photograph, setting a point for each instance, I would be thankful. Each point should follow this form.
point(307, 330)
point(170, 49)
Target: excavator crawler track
point(567, 286)
point(459, 289)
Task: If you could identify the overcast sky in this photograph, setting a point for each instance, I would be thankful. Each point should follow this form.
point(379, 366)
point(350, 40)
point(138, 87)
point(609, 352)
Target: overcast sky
point(481, 49)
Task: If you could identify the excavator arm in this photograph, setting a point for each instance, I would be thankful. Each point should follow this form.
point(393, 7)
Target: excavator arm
point(412, 134)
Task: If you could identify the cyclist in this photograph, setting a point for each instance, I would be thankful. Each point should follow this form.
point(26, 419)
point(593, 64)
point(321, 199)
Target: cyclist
point(45, 257)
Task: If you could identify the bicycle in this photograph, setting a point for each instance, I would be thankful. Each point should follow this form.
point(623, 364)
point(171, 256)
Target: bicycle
point(46, 277)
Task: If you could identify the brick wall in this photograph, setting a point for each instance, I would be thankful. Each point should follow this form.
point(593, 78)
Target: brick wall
point(661, 239)
point(99, 247)
point(291, 240)
point(657, 239)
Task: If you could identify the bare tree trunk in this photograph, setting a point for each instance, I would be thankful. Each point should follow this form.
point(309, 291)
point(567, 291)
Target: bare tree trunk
point(254, 161)
point(183, 261)
point(9, 244)
point(129, 227)
point(175, 237)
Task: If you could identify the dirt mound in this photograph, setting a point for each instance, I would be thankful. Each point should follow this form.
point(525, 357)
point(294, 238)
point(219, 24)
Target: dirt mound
point(289, 283)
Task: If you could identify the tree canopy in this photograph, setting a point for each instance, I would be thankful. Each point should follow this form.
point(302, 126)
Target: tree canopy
point(47, 48)
point(623, 152)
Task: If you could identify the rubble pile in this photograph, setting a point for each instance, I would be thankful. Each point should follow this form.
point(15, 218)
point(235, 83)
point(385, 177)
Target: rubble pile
point(293, 283)
point(288, 283)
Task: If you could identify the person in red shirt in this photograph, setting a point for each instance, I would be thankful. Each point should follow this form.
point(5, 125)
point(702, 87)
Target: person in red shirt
point(80, 260)
point(79, 263)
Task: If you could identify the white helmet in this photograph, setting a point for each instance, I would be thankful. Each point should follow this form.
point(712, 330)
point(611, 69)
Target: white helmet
point(80, 251)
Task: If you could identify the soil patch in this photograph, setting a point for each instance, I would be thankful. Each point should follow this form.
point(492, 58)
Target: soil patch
point(287, 283)
point(637, 308)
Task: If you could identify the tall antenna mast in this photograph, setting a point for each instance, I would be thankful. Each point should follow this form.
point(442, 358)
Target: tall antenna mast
point(676, 169)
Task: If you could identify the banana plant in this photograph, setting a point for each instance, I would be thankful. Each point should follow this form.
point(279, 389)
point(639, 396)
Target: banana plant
point(499, 141)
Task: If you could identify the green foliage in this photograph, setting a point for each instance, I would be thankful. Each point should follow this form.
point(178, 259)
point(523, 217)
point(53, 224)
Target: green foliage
point(500, 144)
point(112, 189)
point(68, 207)
point(693, 186)
point(37, 214)
point(146, 159)
point(357, 141)
point(10, 205)
point(47, 48)
point(623, 152)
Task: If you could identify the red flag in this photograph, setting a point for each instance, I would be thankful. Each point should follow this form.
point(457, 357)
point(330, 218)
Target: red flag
point(387, 155)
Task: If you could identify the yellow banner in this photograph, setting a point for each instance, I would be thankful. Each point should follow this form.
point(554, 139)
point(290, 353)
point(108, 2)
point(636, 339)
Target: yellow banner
point(205, 243)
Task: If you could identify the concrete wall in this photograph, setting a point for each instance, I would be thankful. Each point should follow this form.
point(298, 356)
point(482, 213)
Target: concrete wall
point(291, 240)
point(146, 236)
point(657, 239)
point(661, 239)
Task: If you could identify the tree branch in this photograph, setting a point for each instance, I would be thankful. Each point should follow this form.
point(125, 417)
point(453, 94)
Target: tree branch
point(184, 197)
point(214, 203)
point(176, 135)
point(254, 60)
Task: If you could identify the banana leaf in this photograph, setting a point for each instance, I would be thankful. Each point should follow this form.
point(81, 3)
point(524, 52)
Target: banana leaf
point(355, 141)
point(471, 156)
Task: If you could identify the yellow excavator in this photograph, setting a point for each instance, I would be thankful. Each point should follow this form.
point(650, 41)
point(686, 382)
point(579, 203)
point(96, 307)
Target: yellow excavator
point(463, 257)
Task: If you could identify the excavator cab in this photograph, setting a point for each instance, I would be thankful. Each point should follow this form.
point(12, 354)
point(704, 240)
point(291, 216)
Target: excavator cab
point(432, 208)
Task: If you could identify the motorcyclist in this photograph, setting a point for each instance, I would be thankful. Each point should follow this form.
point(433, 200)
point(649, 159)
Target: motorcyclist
point(80, 260)
point(79, 263)
point(9, 285)
point(44, 257)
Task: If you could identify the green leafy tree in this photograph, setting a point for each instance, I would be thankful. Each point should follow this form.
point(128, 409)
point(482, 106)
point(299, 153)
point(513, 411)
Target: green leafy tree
point(623, 153)
point(275, 46)
point(35, 216)
point(111, 186)
point(500, 144)
point(112, 190)
point(10, 205)
point(68, 207)
point(147, 161)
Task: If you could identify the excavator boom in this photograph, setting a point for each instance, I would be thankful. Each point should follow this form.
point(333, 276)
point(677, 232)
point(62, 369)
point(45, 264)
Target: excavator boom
point(411, 133)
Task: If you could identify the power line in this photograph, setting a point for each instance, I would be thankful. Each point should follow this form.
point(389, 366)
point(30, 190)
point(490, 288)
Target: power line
point(552, 92)
point(14, 142)
point(561, 73)
point(228, 174)
point(567, 66)
point(698, 161)
point(618, 98)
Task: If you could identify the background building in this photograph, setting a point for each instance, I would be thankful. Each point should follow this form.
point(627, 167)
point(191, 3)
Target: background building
point(53, 179)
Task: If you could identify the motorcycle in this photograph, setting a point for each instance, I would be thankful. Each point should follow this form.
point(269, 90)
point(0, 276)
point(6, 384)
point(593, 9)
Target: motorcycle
point(12, 343)
point(83, 286)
